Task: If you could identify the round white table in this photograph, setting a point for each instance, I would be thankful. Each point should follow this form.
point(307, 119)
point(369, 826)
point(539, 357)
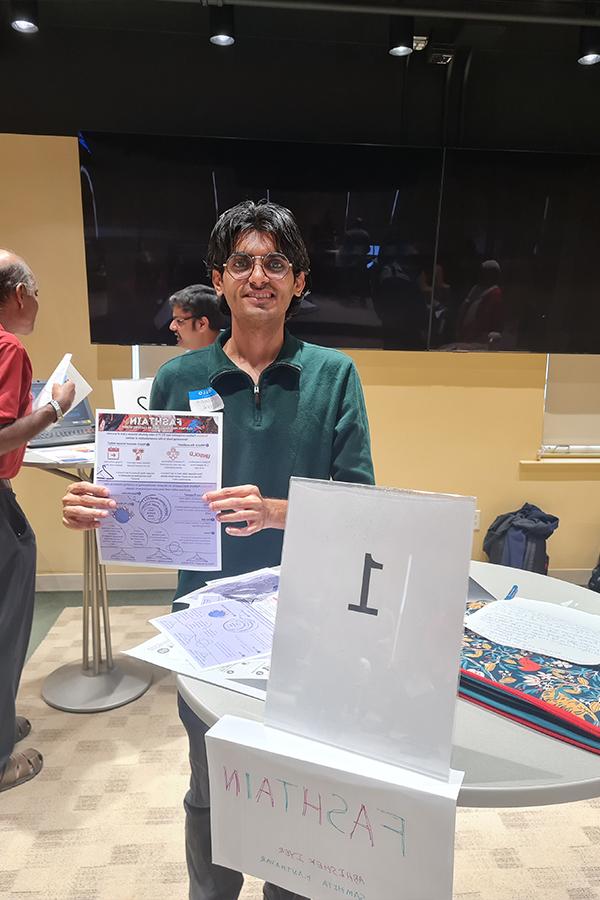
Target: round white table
point(505, 764)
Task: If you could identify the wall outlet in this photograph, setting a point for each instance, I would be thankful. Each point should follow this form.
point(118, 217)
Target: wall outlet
point(477, 520)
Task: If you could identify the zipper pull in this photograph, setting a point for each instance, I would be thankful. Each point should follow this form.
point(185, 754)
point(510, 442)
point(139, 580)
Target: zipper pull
point(256, 395)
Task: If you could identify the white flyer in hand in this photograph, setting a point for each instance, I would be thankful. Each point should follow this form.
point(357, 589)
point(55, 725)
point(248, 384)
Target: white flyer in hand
point(64, 371)
point(556, 631)
point(157, 467)
point(221, 633)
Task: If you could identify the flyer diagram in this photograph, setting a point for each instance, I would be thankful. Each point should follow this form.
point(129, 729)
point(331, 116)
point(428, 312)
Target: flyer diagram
point(157, 467)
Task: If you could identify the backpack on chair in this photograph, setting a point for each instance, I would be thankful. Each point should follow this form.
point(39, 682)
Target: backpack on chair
point(518, 539)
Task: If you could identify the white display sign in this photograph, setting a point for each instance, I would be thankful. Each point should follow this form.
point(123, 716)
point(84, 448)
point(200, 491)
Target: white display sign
point(132, 394)
point(369, 628)
point(326, 823)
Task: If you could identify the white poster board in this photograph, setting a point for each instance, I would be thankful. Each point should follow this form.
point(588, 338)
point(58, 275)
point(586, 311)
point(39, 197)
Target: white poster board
point(324, 822)
point(132, 394)
point(370, 620)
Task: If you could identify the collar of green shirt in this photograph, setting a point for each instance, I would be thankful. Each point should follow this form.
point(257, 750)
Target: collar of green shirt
point(289, 356)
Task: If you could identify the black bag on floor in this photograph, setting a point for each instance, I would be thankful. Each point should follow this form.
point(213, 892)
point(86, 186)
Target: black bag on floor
point(518, 538)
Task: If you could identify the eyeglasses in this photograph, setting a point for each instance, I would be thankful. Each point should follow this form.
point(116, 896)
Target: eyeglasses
point(179, 320)
point(274, 265)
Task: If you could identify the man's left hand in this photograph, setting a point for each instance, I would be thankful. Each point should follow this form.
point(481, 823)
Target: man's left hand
point(245, 503)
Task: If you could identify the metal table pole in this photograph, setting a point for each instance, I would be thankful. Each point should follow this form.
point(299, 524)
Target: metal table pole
point(99, 683)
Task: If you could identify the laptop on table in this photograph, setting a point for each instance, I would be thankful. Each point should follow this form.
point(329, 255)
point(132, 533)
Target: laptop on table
point(77, 426)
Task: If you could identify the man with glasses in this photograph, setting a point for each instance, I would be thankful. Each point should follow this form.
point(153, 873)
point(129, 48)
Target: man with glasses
point(197, 320)
point(290, 408)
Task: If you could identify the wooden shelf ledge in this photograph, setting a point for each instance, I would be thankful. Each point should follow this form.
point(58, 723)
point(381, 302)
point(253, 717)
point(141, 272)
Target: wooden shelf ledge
point(564, 469)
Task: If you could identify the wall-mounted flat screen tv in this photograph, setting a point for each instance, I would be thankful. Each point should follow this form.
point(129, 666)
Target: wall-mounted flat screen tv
point(410, 249)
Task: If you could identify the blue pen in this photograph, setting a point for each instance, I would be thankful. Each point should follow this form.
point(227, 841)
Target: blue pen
point(513, 592)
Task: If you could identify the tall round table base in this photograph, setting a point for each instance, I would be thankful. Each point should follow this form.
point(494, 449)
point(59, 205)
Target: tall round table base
point(98, 682)
point(75, 689)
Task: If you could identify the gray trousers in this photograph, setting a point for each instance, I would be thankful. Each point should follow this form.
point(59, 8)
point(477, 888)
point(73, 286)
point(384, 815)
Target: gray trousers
point(17, 590)
point(208, 881)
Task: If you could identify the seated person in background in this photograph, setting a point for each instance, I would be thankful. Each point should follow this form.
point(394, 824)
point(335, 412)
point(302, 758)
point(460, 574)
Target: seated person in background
point(196, 321)
point(437, 293)
point(481, 315)
point(352, 260)
point(290, 408)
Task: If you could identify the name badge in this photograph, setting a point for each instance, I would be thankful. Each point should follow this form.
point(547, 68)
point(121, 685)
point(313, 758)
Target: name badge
point(205, 400)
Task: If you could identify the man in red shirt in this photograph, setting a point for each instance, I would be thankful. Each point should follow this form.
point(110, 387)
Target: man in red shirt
point(18, 424)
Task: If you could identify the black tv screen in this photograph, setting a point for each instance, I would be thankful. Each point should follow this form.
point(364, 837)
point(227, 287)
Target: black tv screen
point(410, 248)
point(368, 216)
point(516, 264)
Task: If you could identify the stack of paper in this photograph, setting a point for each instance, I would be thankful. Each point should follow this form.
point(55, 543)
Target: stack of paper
point(224, 636)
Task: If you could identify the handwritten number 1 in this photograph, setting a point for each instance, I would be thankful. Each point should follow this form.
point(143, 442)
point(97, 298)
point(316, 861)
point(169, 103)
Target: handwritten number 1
point(363, 606)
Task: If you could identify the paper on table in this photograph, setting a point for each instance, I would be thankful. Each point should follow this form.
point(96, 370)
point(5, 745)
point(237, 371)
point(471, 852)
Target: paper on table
point(248, 588)
point(64, 371)
point(556, 631)
point(222, 632)
point(246, 676)
point(161, 651)
point(71, 454)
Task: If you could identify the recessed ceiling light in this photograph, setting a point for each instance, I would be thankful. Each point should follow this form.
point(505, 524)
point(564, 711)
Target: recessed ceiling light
point(401, 35)
point(24, 16)
point(222, 32)
point(589, 46)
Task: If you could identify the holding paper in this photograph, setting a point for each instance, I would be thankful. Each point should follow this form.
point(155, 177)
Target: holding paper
point(65, 371)
point(157, 467)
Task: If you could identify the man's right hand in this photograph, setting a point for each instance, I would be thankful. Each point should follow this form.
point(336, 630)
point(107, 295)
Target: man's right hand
point(85, 505)
point(64, 394)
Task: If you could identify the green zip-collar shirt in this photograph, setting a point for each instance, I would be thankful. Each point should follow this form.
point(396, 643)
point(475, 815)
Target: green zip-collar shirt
point(305, 417)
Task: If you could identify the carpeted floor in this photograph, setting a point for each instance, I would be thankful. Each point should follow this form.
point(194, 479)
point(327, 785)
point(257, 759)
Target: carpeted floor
point(104, 820)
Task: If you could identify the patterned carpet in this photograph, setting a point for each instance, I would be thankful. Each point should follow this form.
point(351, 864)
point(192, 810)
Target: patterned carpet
point(104, 820)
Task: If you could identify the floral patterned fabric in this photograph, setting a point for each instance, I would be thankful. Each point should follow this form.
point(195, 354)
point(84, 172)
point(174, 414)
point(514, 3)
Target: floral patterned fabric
point(550, 695)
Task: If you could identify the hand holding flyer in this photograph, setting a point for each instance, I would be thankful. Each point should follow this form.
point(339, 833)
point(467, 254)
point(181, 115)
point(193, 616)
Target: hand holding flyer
point(65, 371)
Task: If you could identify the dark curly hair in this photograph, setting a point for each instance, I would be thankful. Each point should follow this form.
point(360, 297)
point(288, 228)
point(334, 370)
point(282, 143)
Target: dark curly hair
point(199, 300)
point(269, 218)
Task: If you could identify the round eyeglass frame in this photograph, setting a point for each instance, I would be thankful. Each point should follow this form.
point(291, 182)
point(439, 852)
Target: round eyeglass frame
point(241, 276)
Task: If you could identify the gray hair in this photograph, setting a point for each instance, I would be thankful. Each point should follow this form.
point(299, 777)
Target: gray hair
point(12, 273)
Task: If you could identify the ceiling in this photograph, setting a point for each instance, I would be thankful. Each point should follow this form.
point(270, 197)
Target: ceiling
point(479, 23)
point(147, 66)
